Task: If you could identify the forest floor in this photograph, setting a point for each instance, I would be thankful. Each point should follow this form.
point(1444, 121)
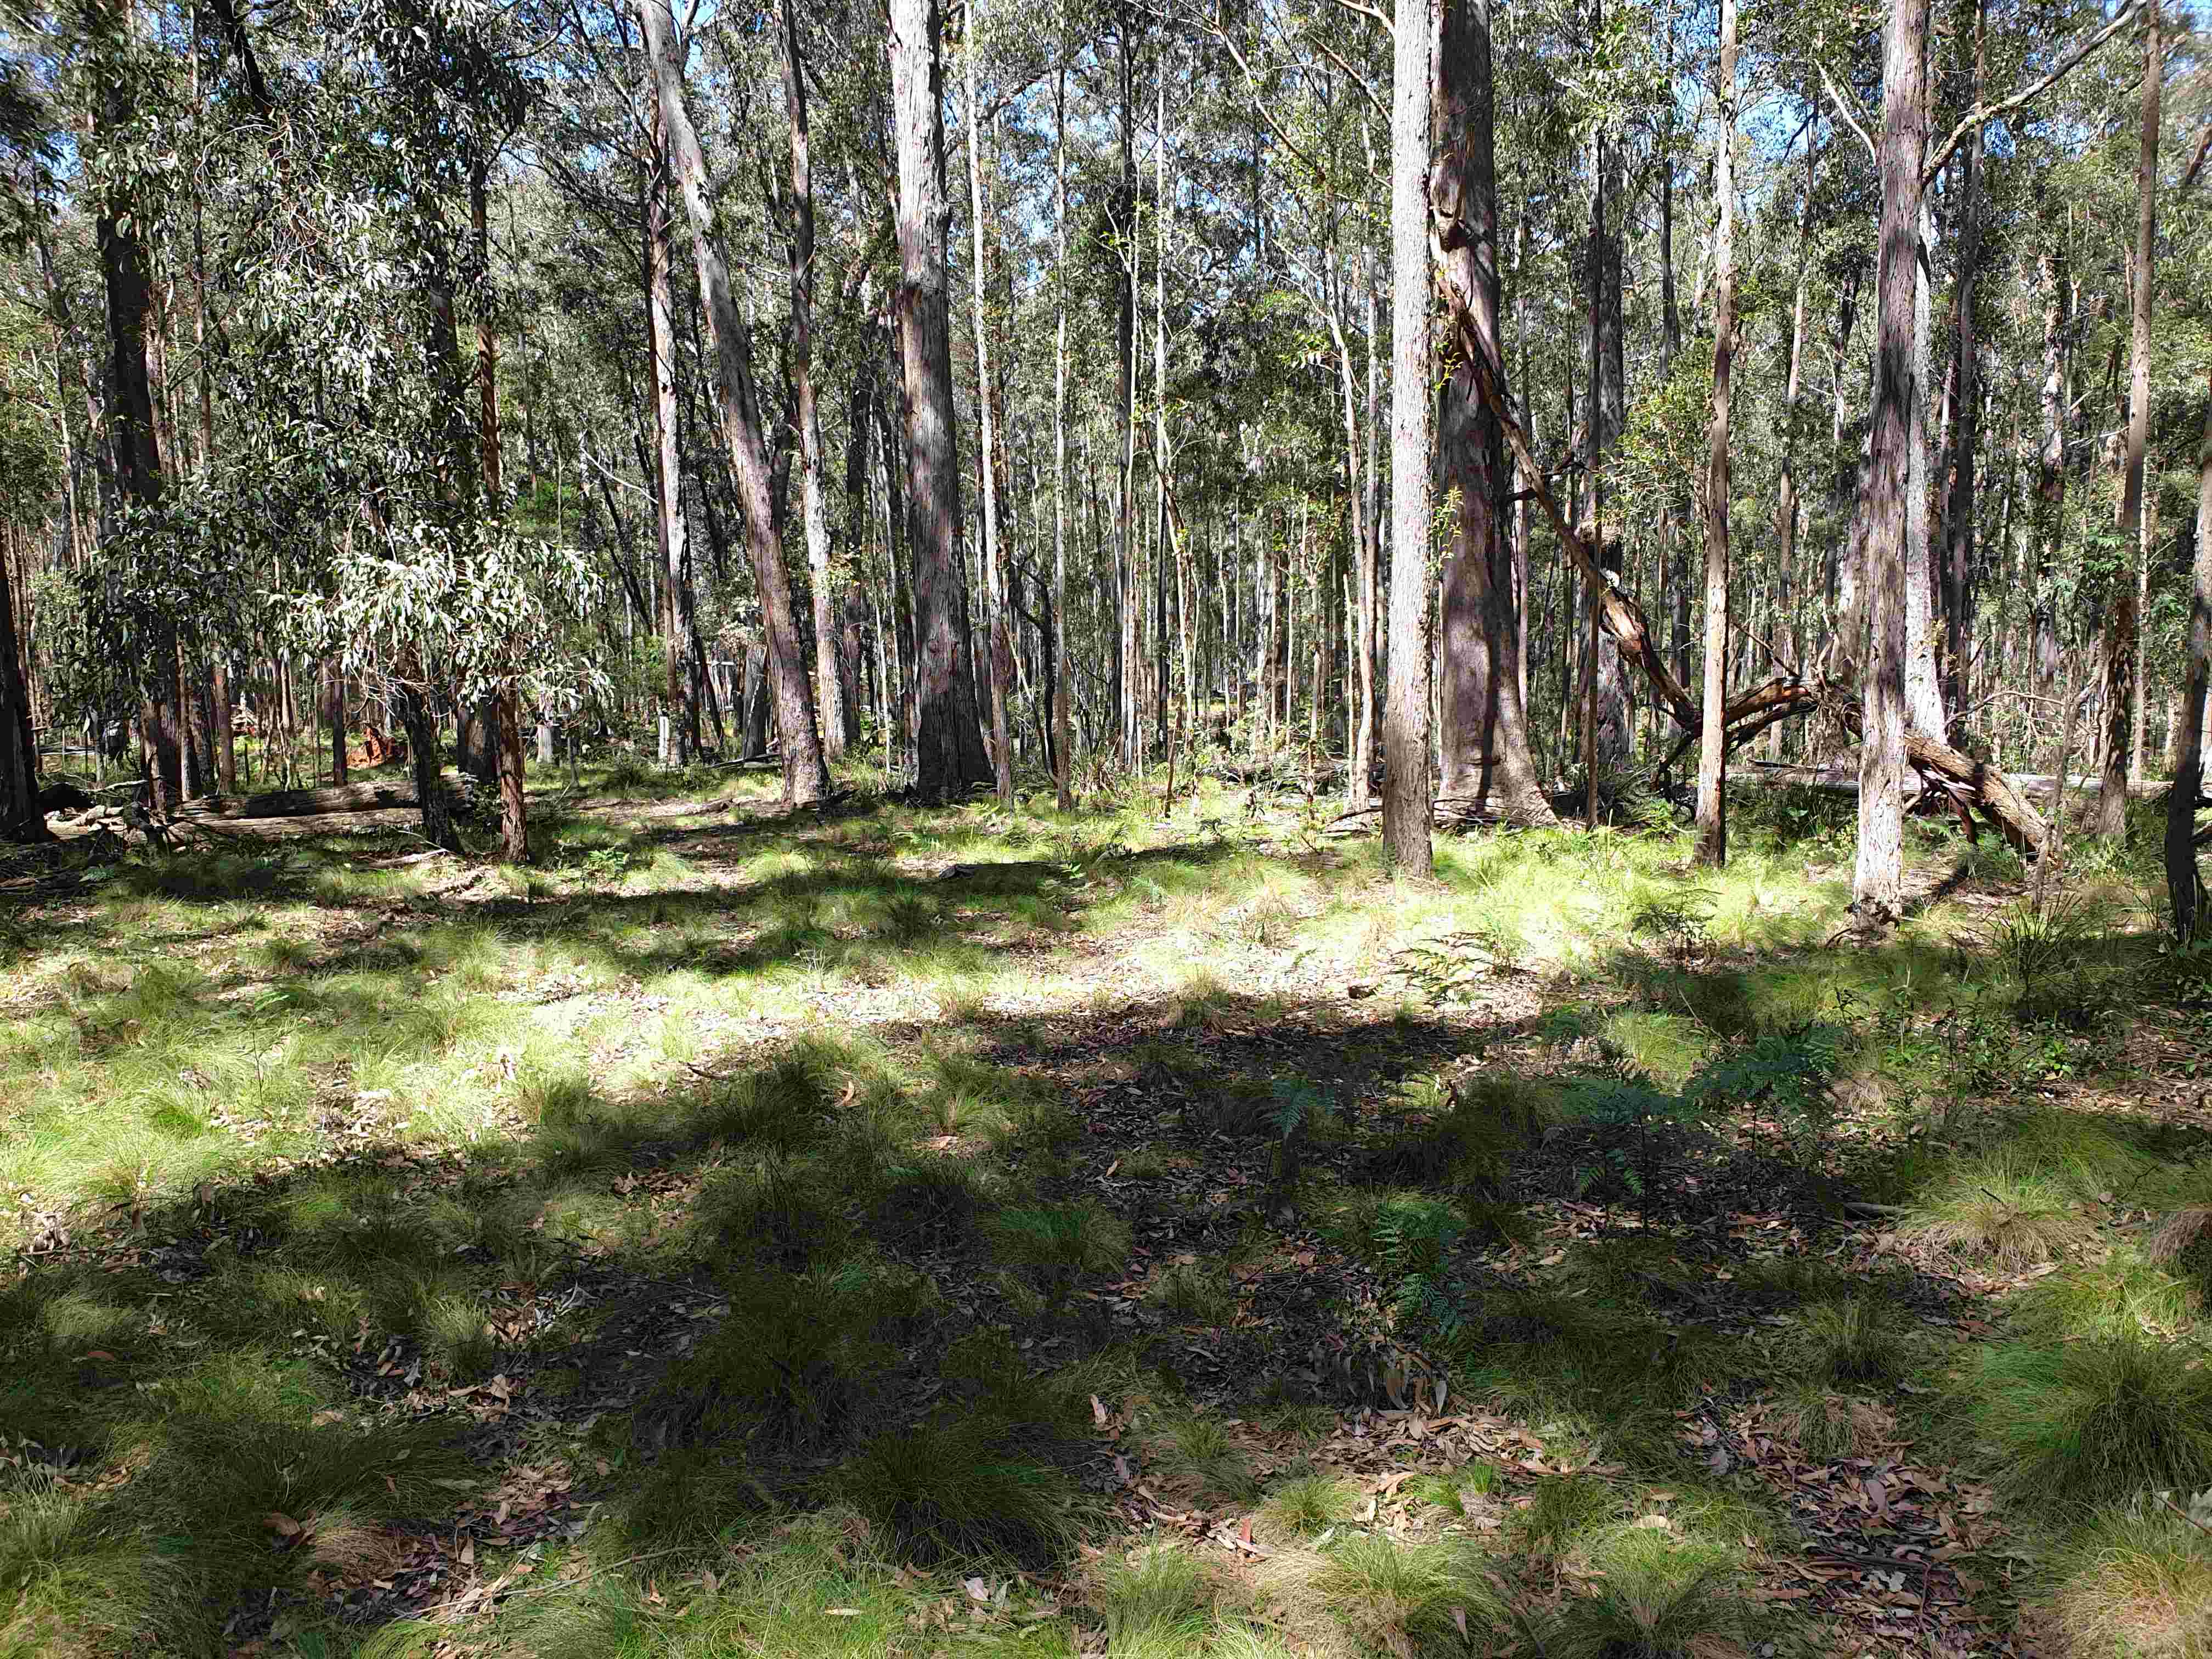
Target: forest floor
point(878, 1230)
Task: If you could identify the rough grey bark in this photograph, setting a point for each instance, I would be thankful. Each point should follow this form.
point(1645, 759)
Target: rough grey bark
point(1405, 794)
point(1712, 753)
point(1957, 568)
point(814, 513)
point(1878, 880)
point(805, 776)
point(949, 739)
point(2118, 677)
point(1483, 735)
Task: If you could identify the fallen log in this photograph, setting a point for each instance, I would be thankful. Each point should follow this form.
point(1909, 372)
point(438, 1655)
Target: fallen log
point(370, 797)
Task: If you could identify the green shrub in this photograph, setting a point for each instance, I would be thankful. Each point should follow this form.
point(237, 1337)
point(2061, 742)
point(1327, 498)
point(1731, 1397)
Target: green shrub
point(1402, 1598)
point(1853, 1339)
point(1155, 1591)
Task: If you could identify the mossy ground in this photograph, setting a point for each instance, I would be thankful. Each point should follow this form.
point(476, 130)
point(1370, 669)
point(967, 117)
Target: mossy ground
point(888, 1230)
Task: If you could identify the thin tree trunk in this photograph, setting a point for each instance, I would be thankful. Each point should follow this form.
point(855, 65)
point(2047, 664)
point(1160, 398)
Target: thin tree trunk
point(1712, 756)
point(1959, 526)
point(806, 777)
point(2122, 620)
point(1406, 796)
point(672, 531)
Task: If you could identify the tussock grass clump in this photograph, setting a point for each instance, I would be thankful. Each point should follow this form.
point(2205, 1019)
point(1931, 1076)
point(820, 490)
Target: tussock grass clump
point(963, 1489)
point(2098, 1421)
point(931, 1203)
point(2182, 1245)
point(1200, 1453)
point(1560, 1510)
point(1398, 1599)
point(1154, 1592)
point(70, 1575)
point(1828, 1425)
point(1194, 1294)
point(1312, 1503)
point(1055, 1243)
point(798, 1355)
point(1660, 1597)
point(2139, 1586)
point(781, 1211)
point(1997, 1209)
point(1852, 1338)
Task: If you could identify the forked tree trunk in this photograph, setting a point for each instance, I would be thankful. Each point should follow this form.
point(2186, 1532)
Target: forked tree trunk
point(1712, 754)
point(805, 776)
point(1878, 880)
point(1406, 796)
point(1484, 738)
point(2121, 618)
point(949, 742)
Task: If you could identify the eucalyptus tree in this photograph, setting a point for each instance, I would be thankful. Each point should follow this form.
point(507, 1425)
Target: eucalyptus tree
point(805, 776)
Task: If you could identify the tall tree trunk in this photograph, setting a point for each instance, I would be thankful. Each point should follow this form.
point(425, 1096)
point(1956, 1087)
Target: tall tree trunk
point(1063, 761)
point(1406, 798)
point(949, 742)
point(805, 776)
point(997, 651)
point(134, 448)
point(505, 723)
point(2121, 620)
point(1878, 881)
point(1959, 526)
point(2049, 476)
point(1923, 689)
point(1362, 689)
point(1786, 502)
point(2182, 886)
point(1484, 733)
point(830, 683)
point(334, 715)
point(672, 531)
point(1712, 753)
point(21, 818)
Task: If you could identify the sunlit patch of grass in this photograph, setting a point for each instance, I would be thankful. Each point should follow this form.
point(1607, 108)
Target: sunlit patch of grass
point(2123, 1295)
point(2096, 1420)
point(2138, 1587)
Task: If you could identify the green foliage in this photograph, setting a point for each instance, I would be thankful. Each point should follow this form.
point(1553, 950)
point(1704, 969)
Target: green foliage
point(1155, 1591)
point(1405, 1598)
point(1678, 919)
point(1056, 1243)
point(1853, 1339)
point(1448, 968)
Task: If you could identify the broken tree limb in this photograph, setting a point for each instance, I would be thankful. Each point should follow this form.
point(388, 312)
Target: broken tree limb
point(1989, 791)
point(305, 803)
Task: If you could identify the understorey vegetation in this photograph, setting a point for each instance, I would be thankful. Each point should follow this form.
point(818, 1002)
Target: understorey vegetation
point(895, 1230)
